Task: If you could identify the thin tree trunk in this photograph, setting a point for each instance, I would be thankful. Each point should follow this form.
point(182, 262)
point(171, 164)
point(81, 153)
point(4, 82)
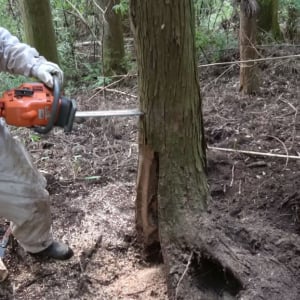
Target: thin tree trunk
point(268, 18)
point(113, 42)
point(248, 70)
point(39, 30)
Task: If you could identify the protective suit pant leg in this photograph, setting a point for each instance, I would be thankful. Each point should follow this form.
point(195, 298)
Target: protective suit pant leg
point(23, 198)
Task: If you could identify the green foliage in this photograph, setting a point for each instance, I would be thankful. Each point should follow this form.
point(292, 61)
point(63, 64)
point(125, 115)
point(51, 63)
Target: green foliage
point(122, 7)
point(213, 13)
point(215, 30)
point(128, 64)
point(8, 19)
point(93, 76)
point(79, 21)
point(289, 19)
point(75, 21)
point(213, 44)
point(11, 20)
point(66, 36)
point(290, 3)
point(81, 5)
point(285, 5)
point(9, 81)
point(35, 137)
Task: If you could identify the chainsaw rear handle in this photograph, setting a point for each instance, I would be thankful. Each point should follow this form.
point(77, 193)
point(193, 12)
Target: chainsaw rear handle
point(54, 109)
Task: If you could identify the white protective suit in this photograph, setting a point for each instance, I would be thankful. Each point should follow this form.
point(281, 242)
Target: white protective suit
point(23, 198)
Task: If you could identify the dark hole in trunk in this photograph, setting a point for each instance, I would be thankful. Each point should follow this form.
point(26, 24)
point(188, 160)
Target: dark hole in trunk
point(215, 279)
point(152, 253)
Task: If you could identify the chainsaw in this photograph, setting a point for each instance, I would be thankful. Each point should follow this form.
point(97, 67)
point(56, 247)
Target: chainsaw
point(36, 106)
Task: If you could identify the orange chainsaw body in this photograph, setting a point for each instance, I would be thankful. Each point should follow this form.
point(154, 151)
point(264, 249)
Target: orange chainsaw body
point(27, 106)
point(30, 105)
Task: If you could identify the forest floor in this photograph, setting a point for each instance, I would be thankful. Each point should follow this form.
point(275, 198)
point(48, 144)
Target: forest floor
point(91, 177)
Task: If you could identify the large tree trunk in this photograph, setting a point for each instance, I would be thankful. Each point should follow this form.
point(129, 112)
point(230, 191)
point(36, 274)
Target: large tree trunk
point(39, 31)
point(248, 70)
point(172, 160)
point(113, 42)
point(268, 18)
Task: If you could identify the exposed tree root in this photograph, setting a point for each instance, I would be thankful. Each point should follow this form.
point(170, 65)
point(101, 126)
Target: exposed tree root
point(224, 266)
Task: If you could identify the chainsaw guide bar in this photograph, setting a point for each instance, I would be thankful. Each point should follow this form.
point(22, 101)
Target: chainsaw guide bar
point(108, 113)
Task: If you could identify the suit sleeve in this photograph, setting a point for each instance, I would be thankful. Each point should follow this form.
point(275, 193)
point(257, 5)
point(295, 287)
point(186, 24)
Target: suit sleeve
point(17, 57)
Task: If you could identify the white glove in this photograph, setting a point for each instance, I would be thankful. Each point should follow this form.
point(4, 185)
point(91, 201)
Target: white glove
point(45, 72)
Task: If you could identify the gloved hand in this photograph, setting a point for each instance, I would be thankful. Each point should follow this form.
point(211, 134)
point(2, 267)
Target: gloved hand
point(45, 72)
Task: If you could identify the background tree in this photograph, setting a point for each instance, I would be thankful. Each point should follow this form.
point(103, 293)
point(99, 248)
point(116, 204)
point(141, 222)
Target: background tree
point(172, 160)
point(248, 70)
point(293, 21)
point(113, 42)
point(39, 30)
point(268, 18)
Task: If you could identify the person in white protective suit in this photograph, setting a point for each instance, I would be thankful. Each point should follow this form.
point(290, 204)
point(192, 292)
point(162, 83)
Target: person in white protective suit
point(24, 200)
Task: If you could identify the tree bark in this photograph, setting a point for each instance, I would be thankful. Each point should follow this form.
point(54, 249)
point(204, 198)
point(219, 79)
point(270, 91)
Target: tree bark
point(171, 186)
point(39, 30)
point(113, 42)
point(248, 70)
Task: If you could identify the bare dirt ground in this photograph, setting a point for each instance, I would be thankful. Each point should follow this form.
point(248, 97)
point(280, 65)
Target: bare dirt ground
point(91, 179)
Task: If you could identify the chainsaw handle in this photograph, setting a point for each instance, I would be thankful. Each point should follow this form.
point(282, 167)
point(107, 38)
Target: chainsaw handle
point(56, 95)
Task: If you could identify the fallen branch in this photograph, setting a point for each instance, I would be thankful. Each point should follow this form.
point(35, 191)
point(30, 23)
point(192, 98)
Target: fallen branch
point(253, 153)
point(250, 60)
point(120, 92)
point(103, 88)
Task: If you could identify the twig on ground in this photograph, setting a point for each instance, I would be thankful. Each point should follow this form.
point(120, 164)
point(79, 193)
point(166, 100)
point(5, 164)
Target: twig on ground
point(256, 164)
point(183, 274)
point(240, 187)
point(141, 291)
point(253, 153)
point(284, 146)
point(87, 255)
point(104, 282)
point(34, 280)
point(232, 175)
point(295, 120)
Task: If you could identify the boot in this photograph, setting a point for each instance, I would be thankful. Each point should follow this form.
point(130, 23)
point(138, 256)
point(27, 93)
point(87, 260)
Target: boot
point(56, 250)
